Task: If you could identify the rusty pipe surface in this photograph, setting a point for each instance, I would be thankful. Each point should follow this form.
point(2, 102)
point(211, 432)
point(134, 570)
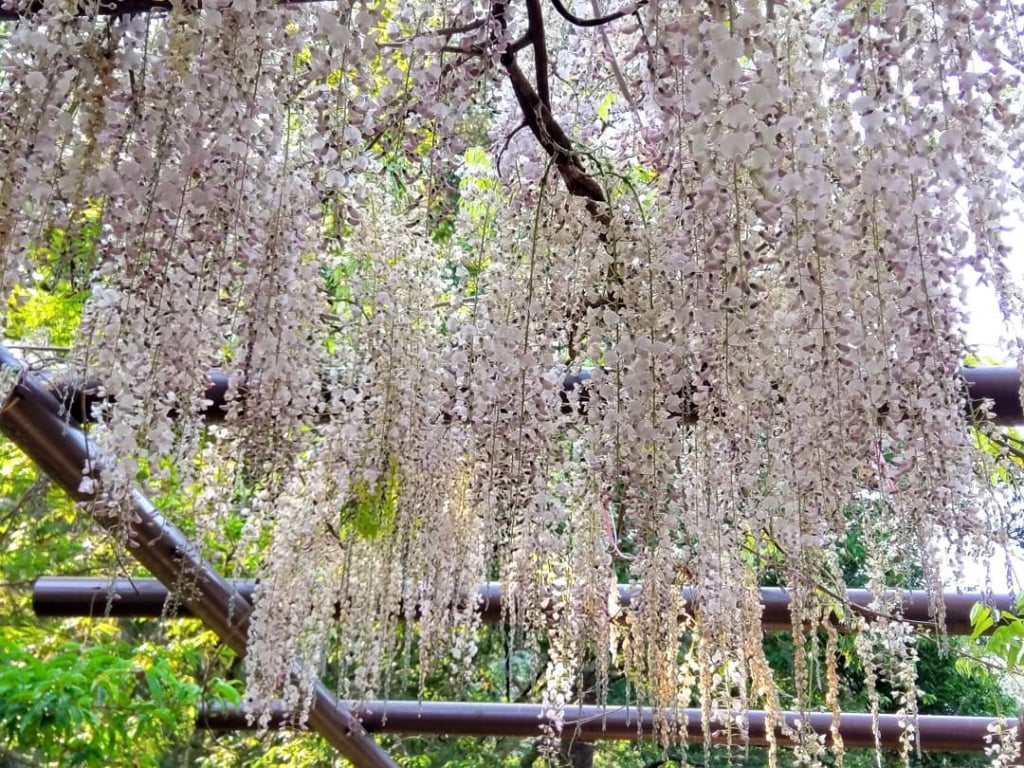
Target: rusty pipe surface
point(31, 417)
point(934, 733)
point(58, 596)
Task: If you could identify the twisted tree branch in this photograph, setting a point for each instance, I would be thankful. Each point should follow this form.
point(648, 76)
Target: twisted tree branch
point(535, 27)
point(577, 21)
point(537, 112)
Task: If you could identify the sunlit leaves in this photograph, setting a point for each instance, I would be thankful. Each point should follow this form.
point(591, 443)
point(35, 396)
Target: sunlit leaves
point(372, 508)
point(78, 705)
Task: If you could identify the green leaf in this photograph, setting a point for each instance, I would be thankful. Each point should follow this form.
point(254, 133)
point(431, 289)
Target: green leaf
point(981, 620)
point(477, 156)
point(371, 511)
point(226, 690)
point(604, 108)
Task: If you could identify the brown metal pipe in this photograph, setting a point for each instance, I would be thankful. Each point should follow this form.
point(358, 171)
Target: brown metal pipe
point(109, 8)
point(1001, 385)
point(935, 733)
point(998, 385)
point(58, 596)
point(31, 417)
point(78, 401)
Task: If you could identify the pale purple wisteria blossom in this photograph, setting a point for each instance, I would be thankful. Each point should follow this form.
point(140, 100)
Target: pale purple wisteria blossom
point(400, 225)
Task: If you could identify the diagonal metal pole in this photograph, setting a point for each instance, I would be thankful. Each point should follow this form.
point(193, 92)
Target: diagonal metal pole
point(31, 417)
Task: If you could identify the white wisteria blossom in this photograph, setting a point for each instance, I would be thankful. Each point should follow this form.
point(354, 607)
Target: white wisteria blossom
point(400, 226)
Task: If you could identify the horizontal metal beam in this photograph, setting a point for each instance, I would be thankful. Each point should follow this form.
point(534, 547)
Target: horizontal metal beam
point(31, 417)
point(57, 596)
point(935, 733)
point(113, 8)
point(1000, 386)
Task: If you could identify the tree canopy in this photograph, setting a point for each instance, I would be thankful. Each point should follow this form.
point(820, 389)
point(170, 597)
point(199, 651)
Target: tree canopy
point(664, 293)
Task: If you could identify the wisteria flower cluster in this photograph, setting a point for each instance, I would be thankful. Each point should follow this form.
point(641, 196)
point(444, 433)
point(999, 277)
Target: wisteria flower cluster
point(669, 293)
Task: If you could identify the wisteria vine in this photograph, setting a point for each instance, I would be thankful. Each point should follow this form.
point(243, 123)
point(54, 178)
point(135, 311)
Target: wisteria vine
point(747, 222)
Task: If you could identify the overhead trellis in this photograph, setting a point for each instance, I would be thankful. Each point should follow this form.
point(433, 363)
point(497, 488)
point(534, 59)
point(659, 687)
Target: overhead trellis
point(750, 223)
point(933, 733)
point(991, 394)
point(37, 420)
point(85, 596)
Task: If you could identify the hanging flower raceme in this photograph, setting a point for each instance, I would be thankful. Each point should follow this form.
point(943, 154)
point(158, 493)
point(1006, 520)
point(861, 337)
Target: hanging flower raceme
point(740, 228)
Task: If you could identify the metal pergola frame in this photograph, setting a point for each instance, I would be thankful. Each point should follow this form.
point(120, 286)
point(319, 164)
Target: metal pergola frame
point(44, 422)
point(934, 733)
point(92, 597)
point(994, 387)
point(34, 420)
point(39, 422)
point(110, 8)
